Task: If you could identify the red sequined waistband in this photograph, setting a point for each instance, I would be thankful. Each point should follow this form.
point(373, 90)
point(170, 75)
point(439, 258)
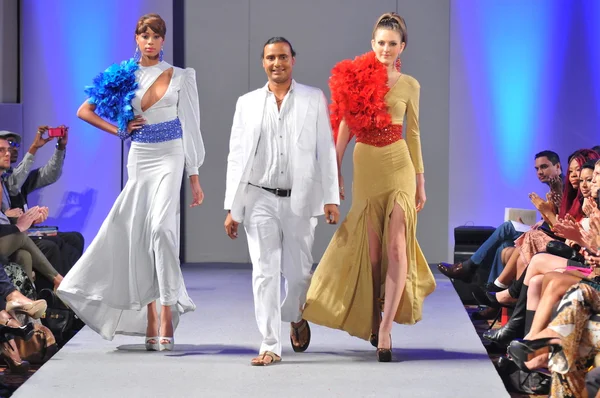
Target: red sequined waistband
point(381, 137)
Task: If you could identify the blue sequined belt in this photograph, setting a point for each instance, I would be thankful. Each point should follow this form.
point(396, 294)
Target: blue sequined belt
point(159, 132)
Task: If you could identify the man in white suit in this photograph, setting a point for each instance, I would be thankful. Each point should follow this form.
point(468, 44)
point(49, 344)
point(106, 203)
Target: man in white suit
point(281, 174)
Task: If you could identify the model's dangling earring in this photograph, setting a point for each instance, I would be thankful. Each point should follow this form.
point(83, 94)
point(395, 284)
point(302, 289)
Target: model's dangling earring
point(160, 54)
point(398, 64)
point(137, 55)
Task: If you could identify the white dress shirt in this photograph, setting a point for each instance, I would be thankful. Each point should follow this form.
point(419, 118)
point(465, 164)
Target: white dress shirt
point(271, 167)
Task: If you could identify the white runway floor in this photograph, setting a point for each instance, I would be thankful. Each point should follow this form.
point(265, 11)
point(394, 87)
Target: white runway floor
point(441, 356)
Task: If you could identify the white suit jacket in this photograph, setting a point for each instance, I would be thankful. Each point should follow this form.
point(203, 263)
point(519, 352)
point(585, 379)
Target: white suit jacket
point(313, 157)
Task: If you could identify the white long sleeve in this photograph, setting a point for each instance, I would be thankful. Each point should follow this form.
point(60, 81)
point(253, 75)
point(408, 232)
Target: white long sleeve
point(188, 110)
point(235, 161)
point(326, 155)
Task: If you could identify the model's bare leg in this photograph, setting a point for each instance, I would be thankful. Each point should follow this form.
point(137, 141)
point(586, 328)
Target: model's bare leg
point(397, 269)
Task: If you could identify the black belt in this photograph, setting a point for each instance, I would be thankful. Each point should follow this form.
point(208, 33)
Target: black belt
point(284, 193)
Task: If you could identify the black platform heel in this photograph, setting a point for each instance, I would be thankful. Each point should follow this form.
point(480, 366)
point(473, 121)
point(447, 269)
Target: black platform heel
point(518, 351)
point(374, 337)
point(374, 340)
point(385, 354)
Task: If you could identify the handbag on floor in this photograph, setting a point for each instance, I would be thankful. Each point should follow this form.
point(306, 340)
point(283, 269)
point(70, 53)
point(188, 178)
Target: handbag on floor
point(39, 348)
point(60, 319)
point(515, 380)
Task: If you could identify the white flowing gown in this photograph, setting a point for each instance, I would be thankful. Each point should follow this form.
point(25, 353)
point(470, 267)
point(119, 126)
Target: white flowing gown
point(134, 258)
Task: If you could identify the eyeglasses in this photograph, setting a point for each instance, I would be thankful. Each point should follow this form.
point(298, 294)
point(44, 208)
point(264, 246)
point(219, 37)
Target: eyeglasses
point(4, 151)
point(14, 144)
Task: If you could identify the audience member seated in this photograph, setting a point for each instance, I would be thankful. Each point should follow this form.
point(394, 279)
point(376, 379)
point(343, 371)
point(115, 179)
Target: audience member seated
point(64, 249)
point(535, 241)
point(572, 337)
point(555, 284)
point(549, 171)
point(14, 240)
point(9, 327)
point(522, 316)
point(567, 346)
point(546, 288)
point(15, 301)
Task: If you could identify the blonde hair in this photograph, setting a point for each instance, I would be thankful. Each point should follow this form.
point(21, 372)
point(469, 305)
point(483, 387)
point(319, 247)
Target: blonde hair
point(391, 21)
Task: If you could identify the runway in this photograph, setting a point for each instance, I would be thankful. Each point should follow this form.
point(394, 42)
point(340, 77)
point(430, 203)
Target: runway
point(441, 356)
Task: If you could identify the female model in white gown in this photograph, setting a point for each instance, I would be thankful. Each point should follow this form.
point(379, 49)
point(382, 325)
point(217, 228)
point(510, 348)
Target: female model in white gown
point(134, 259)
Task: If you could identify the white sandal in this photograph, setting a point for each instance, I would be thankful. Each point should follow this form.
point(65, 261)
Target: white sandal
point(152, 346)
point(168, 346)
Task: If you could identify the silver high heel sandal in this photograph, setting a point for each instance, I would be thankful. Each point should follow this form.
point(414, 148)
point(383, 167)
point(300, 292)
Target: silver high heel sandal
point(168, 346)
point(152, 346)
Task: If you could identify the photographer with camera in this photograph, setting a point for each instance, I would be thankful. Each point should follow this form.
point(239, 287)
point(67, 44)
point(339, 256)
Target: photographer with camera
point(64, 249)
point(38, 178)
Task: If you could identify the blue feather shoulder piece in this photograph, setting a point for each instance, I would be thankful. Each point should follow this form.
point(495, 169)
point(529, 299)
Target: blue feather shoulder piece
point(112, 92)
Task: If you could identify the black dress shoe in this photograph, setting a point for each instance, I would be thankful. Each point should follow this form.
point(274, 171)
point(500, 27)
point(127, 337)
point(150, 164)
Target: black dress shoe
point(458, 271)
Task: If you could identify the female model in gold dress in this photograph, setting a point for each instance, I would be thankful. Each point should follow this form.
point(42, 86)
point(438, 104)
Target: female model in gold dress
point(375, 250)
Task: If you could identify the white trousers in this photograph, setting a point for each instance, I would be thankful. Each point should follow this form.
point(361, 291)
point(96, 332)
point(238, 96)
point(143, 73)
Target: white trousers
point(280, 243)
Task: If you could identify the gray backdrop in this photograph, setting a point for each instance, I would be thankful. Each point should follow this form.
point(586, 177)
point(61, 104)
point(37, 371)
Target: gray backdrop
point(223, 41)
point(9, 51)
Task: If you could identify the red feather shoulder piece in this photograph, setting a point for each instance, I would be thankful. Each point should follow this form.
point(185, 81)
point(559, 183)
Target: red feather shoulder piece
point(358, 88)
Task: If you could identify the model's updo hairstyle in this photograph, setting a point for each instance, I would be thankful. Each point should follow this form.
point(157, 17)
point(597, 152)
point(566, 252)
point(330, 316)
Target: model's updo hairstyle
point(391, 21)
point(152, 21)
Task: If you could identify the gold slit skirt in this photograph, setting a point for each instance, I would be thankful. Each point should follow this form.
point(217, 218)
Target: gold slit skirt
point(341, 291)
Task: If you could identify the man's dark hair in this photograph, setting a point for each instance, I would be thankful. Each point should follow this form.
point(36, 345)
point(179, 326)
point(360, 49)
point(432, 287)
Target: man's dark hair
point(552, 156)
point(596, 149)
point(277, 39)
